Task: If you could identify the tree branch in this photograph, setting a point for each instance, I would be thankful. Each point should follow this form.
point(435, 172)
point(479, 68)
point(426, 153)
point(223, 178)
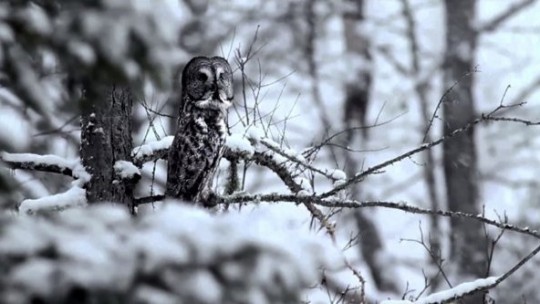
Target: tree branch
point(35, 162)
point(494, 24)
point(353, 204)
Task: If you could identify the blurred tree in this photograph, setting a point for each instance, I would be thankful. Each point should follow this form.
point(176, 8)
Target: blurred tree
point(422, 87)
point(468, 240)
point(355, 107)
point(99, 49)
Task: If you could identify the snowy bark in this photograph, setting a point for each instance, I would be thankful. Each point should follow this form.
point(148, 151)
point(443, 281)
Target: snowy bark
point(106, 139)
point(468, 243)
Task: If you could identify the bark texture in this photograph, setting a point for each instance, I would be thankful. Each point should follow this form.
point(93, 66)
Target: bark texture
point(106, 138)
point(468, 242)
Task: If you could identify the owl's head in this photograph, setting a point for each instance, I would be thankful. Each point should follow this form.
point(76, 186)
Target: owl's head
point(208, 82)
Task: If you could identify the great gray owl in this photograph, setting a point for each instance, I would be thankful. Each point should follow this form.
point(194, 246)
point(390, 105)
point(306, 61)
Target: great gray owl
point(207, 92)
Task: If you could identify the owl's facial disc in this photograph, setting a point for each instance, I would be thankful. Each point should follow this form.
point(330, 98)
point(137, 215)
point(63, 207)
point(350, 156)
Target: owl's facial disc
point(224, 84)
point(208, 82)
point(204, 75)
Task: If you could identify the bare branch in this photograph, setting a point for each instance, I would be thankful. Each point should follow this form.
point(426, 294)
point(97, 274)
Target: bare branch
point(274, 147)
point(513, 10)
point(527, 91)
point(483, 117)
point(513, 119)
point(360, 176)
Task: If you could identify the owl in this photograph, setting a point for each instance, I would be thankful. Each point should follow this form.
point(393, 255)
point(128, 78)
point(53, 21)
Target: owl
point(207, 93)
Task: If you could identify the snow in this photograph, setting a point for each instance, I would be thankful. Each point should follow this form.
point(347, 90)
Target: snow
point(27, 238)
point(151, 148)
point(126, 169)
point(82, 249)
point(84, 52)
point(37, 20)
point(449, 294)
point(305, 184)
point(271, 143)
point(515, 67)
point(51, 160)
point(74, 197)
point(12, 120)
point(339, 175)
point(149, 294)
point(35, 275)
point(6, 34)
point(159, 249)
point(77, 169)
point(186, 248)
point(457, 291)
point(202, 280)
point(238, 143)
point(80, 173)
point(254, 134)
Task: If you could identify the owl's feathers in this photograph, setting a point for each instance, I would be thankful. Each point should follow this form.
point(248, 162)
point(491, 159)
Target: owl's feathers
point(201, 128)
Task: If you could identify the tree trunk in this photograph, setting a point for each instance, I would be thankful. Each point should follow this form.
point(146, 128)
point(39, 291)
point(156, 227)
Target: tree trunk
point(355, 109)
point(106, 139)
point(468, 243)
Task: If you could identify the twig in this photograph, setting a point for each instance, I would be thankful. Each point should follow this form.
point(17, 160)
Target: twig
point(483, 117)
point(270, 145)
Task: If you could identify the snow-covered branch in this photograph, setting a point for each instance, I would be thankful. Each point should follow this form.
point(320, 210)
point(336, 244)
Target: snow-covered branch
point(74, 197)
point(45, 163)
point(237, 147)
point(467, 288)
point(450, 295)
point(151, 151)
point(177, 254)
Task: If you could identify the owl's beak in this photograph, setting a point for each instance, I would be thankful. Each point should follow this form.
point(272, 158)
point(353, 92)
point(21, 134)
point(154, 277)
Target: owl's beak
point(217, 95)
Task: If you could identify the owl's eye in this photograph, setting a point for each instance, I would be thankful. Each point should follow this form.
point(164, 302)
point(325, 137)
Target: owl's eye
point(222, 76)
point(202, 76)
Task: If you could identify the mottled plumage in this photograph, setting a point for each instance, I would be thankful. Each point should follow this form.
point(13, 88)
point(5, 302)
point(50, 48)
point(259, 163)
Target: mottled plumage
point(201, 129)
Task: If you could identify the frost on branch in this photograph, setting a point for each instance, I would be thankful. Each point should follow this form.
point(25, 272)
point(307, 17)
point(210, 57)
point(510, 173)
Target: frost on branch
point(175, 255)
